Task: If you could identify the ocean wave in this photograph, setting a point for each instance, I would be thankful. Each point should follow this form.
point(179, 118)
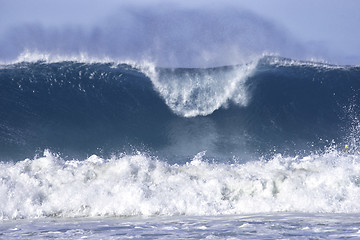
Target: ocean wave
point(81, 108)
point(140, 185)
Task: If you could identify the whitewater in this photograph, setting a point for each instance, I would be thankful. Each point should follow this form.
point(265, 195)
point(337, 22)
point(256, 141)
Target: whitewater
point(95, 148)
point(140, 186)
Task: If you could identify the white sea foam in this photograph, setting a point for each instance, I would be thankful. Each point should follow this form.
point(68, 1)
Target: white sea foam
point(197, 92)
point(132, 185)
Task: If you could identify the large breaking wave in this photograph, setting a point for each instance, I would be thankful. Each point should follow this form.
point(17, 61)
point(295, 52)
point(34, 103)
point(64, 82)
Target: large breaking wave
point(79, 108)
point(259, 137)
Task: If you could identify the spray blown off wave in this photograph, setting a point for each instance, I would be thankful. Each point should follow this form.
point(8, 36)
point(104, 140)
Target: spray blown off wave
point(140, 185)
point(169, 34)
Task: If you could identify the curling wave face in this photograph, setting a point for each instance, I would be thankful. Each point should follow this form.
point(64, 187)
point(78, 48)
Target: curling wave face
point(269, 105)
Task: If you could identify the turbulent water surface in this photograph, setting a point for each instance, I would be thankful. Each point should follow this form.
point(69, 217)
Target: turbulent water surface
point(104, 149)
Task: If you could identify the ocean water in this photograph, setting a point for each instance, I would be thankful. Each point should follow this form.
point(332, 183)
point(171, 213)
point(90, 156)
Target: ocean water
point(250, 226)
point(102, 149)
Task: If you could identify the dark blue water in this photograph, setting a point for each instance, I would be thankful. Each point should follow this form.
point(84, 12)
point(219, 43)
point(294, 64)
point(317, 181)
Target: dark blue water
point(79, 109)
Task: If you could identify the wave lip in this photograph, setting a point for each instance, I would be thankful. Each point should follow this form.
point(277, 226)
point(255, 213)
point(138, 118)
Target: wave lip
point(133, 185)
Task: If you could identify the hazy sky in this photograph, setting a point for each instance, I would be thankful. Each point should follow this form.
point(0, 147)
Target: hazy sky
point(332, 24)
point(183, 33)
